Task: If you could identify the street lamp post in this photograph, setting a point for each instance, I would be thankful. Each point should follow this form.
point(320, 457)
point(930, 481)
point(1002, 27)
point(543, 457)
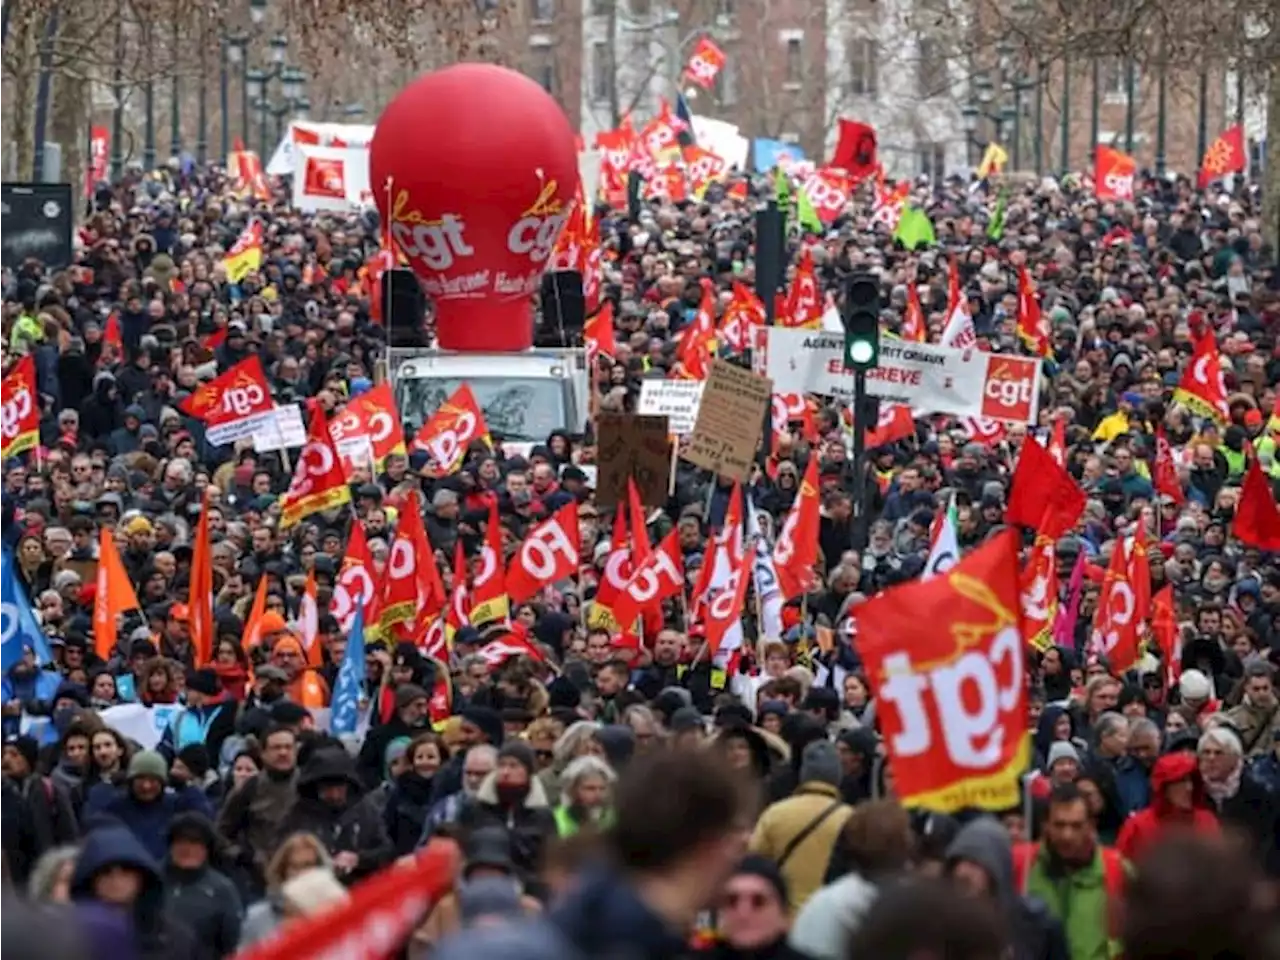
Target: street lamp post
point(1066, 114)
point(1202, 121)
point(233, 49)
point(1130, 82)
point(969, 121)
point(1162, 104)
point(175, 94)
point(1039, 144)
point(117, 114)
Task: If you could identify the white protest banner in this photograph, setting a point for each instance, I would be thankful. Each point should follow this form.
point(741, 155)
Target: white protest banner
point(677, 400)
point(284, 431)
point(927, 377)
point(310, 133)
point(142, 724)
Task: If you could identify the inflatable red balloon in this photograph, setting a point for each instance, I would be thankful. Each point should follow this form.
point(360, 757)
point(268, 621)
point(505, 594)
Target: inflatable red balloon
point(474, 170)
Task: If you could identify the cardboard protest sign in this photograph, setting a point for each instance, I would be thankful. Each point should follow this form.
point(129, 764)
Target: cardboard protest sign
point(730, 419)
point(632, 447)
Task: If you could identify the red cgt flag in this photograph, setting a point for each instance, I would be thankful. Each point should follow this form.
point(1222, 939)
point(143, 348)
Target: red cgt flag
point(1113, 173)
point(1225, 155)
point(1033, 326)
point(1165, 474)
point(376, 920)
point(796, 551)
point(234, 405)
point(489, 600)
point(20, 424)
point(1043, 495)
point(450, 431)
point(1201, 387)
point(804, 304)
point(318, 481)
point(659, 576)
point(597, 334)
point(1257, 522)
point(946, 657)
point(705, 63)
point(1164, 628)
point(1115, 623)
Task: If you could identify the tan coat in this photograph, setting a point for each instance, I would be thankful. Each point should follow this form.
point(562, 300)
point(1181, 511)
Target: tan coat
point(444, 921)
point(782, 821)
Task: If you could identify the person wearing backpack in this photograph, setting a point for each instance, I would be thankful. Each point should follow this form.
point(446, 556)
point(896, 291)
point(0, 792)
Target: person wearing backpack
point(38, 814)
point(800, 832)
point(1080, 880)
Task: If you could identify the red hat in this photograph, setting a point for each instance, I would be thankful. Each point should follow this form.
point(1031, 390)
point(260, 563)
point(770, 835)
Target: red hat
point(1253, 418)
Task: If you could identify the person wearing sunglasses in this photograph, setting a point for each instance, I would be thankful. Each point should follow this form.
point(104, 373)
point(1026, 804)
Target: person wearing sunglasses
point(751, 915)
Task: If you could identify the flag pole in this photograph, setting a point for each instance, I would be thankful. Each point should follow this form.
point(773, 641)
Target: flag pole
point(386, 306)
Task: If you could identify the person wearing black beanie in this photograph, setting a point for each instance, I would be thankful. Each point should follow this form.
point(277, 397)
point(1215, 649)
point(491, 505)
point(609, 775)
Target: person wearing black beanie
point(752, 914)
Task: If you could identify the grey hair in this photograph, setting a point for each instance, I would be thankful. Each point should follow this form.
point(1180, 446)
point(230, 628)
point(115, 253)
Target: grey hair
point(573, 738)
point(45, 873)
point(579, 770)
point(1110, 723)
point(1144, 725)
point(1224, 738)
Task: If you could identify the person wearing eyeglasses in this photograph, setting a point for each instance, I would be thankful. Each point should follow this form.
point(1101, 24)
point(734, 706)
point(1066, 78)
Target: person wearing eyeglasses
point(752, 919)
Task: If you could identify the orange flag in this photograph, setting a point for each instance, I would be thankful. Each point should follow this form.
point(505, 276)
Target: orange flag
point(113, 596)
point(1225, 155)
point(1033, 326)
point(253, 626)
point(200, 597)
point(597, 334)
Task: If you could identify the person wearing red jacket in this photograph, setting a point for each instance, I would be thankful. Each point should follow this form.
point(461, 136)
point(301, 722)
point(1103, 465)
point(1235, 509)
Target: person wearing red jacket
point(1177, 803)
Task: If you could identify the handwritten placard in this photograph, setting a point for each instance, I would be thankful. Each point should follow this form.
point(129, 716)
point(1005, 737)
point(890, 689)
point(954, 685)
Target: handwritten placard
point(730, 418)
point(632, 446)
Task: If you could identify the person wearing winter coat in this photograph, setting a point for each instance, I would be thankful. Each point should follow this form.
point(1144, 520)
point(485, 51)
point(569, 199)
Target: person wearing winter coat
point(298, 854)
point(114, 870)
point(37, 813)
point(329, 806)
point(144, 804)
point(413, 705)
point(1257, 716)
point(409, 802)
point(196, 893)
point(1243, 805)
point(980, 862)
point(250, 818)
point(799, 833)
point(511, 797)
point(1177, 803)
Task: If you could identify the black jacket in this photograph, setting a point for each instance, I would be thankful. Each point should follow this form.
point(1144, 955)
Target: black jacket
point(354, 826)
point(405, 815)
point(38, 816)
point(1255, 810)
point(529, 825)
point(207, 903)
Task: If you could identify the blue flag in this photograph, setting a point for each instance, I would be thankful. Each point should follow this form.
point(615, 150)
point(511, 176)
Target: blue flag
point(345, 714)
point(18, 627)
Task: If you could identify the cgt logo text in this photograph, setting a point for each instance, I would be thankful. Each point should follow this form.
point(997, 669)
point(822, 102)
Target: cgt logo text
point(1009, 390)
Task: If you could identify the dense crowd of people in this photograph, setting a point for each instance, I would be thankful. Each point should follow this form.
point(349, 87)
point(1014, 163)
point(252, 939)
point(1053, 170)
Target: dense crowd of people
point(610, 800)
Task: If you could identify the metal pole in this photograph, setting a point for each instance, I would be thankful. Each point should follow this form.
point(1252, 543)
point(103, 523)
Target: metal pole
point(1202, 121)
point(262, 129)
point(1162, 104)
point(861, 514)
point(43, 89)
point(224, 100)
point(1095, 107)
point(1039, 144)
point(1239, 93)
point(244, 99)
point(1066, 115)
point(117, 114)
point(202, 114)
point(1129, 106)
point(149, 128)
point(1017, 125)
point(175, 91)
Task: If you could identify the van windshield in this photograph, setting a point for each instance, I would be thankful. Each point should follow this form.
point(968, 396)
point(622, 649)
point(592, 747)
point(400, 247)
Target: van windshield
point(519, 410)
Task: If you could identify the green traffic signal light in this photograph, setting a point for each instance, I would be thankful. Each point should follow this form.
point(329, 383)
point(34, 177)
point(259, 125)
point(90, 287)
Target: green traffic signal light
point(861, 318)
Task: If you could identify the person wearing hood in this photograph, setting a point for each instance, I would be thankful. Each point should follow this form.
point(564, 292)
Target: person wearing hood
point(329, 806)
point(114, 870)
point(127, 438)
point(800, 832)
point(102, 412)
point(513, 798)
point(857, 751)
point(196, 893)
point(980, 864)
point(144, 804)
point(1177, 803)
point(412, 716)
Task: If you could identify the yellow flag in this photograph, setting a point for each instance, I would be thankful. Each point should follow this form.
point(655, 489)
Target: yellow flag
point(993, 160)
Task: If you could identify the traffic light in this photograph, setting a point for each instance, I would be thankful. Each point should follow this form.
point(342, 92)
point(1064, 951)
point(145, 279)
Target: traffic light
point(861, 318)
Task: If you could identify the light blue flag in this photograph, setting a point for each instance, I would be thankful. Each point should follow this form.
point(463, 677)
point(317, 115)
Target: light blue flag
point(18, 627)
point(768, 152)
point(345, 715)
